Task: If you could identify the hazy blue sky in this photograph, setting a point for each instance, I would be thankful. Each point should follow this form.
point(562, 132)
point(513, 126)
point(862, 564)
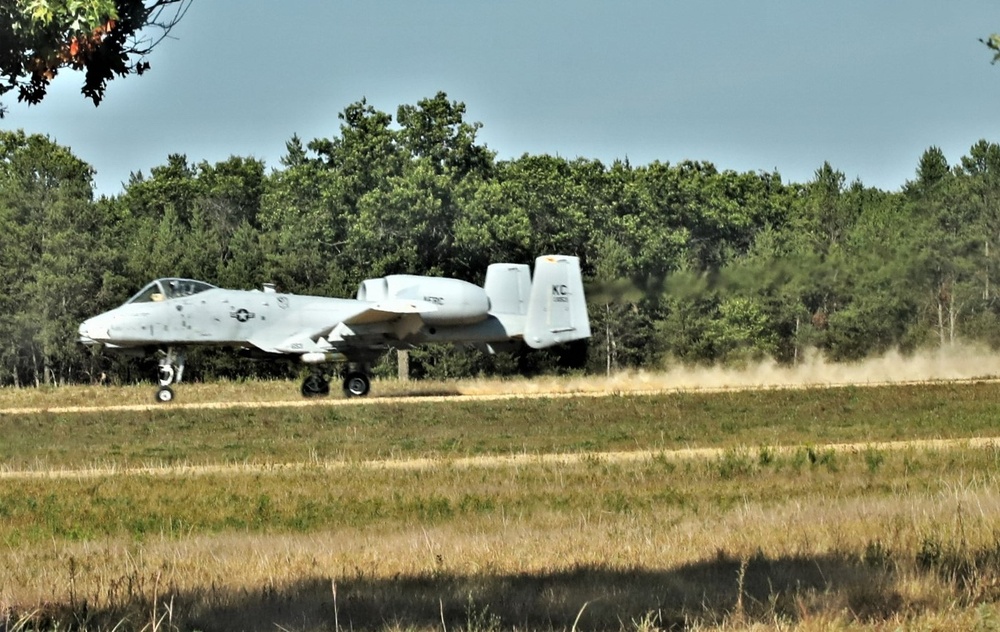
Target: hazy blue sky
point(782, 85)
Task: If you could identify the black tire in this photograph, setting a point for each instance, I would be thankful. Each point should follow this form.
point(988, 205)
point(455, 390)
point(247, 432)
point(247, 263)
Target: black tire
point(164, 394)
point(356, 384)
point(315, 386)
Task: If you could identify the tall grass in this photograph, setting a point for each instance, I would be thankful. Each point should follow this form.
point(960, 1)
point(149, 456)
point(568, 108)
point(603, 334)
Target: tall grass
point(733, 541)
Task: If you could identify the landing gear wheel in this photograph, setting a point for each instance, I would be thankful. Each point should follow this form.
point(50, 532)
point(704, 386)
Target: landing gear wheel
point(164, 395)
point(315, 386)
point(356, 384)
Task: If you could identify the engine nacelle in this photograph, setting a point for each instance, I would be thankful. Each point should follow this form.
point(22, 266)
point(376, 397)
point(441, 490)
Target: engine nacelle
point(458, 302)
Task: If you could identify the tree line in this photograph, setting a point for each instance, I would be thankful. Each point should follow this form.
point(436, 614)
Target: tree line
point(683, 262)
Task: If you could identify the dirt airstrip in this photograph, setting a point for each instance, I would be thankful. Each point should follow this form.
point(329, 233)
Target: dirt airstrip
point(952, 364)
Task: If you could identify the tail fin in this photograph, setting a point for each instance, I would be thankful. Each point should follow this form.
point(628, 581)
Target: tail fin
point(557, 308)
point(508, 285)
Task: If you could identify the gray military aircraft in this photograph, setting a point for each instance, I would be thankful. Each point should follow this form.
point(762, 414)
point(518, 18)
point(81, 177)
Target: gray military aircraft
point(396, 311)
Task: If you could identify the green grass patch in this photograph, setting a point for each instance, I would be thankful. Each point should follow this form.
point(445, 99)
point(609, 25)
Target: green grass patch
point(137, 506)
point(383, 428)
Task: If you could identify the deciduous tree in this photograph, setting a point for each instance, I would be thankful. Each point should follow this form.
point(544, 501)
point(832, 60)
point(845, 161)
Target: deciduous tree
point(103, 38)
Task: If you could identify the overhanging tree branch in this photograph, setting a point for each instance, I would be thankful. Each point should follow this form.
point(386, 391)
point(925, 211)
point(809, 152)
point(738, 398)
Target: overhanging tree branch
point(993, 41)
point(103, 38)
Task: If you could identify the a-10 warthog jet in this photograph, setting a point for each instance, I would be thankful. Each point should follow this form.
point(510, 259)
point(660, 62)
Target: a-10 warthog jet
point(396, 311)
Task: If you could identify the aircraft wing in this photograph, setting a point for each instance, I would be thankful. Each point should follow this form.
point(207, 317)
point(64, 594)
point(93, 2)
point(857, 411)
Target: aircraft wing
point(311, 337)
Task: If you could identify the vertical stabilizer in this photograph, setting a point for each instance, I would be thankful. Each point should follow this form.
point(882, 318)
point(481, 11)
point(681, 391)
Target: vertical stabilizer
point(557, 308)
point(508, 285)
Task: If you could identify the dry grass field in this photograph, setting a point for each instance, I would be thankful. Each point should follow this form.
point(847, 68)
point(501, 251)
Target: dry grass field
point(800, 509)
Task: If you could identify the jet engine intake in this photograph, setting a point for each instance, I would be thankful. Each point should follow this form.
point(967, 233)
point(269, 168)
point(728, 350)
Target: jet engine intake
point(458, 302)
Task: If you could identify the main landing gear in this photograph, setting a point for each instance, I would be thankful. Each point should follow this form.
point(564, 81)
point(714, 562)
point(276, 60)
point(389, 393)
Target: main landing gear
point(315, 385)
point(170, 372)
point(356, 384)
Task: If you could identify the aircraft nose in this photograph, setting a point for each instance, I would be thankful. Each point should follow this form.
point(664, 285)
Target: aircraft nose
point(93, 331)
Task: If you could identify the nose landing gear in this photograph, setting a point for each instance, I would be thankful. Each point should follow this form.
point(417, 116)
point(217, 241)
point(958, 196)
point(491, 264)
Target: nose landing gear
point(171, 370)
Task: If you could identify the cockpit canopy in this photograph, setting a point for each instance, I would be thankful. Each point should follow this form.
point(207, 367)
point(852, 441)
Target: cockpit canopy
point(165, 289)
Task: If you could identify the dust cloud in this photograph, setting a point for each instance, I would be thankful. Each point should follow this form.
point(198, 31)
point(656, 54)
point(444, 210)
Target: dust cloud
point(953, 363)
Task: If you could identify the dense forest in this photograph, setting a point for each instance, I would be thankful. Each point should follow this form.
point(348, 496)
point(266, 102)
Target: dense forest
point(683, 262)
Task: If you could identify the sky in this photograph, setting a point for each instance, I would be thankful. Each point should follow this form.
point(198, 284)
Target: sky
point(775, 85)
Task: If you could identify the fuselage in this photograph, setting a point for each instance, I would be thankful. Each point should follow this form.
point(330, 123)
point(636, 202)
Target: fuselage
point(217, 317)
point(182, 312)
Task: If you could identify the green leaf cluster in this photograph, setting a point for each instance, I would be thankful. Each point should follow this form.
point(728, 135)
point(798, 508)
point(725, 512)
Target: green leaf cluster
point(993, 41)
